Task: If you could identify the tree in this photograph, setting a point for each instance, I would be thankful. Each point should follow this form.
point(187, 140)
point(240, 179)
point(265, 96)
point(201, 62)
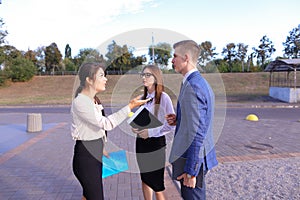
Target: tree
point(229, 54)
point(121, 58)
point(207, 52)
point(113, 51)
point(222, 65)
point(123, 62)
point(20, 69)
point(264, 51)
point(3, 33)
point(8, 53)
point(40, 56)
point(3, 78)
point(68, 61)
point(69, 65)
point(68, 51)
point(242, 53)
point(137, 61)
point(292, 44)
point(31, 55)
point(53, 58)
point(250, 61)
point(162, 53)
point(88, 55)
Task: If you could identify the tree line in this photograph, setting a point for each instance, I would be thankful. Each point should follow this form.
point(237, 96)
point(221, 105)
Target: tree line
point(18, 65)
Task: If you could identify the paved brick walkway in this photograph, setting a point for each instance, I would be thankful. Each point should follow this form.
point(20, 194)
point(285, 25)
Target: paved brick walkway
point(40, 166)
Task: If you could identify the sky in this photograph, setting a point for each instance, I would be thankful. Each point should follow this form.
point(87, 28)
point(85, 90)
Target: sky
point(138, 23)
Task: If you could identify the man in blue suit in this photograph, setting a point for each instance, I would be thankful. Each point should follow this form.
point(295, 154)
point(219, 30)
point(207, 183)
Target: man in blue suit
point(192, 153)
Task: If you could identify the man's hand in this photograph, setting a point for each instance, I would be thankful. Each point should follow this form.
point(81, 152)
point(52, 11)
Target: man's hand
point(141, 133)
point(188, 182)
point(171, 119)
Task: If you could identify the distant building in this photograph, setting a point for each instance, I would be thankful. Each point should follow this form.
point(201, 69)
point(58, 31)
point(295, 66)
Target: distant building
point(284, 82)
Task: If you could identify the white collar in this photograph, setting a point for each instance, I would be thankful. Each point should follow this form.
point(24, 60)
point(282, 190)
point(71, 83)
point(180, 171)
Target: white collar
point(152, 95)
point(187, 74)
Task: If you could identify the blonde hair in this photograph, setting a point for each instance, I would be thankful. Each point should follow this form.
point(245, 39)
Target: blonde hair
point(188, 47)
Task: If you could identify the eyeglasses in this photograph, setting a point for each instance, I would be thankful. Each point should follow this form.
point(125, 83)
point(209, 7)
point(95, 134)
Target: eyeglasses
point(146, 75)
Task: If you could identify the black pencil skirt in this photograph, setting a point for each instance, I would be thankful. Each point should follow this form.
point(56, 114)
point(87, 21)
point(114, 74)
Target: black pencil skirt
point(151, 157)
point(87, 167)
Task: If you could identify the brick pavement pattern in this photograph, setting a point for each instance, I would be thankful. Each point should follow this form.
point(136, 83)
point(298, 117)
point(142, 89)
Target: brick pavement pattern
point(40, 168)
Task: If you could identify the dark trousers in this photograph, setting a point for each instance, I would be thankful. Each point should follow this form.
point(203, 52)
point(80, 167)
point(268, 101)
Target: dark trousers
point(197, 193)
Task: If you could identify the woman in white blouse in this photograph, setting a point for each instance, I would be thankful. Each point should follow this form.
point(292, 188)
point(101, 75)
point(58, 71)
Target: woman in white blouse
point(151, 143)
point(89, 126)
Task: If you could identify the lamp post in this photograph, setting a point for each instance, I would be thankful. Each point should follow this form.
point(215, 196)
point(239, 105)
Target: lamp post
point(153, 58)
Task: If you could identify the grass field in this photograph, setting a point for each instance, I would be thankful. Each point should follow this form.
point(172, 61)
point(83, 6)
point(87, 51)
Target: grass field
point(237, 87)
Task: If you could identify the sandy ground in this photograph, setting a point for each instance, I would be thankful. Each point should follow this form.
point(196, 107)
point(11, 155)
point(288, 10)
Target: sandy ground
point(260, 179)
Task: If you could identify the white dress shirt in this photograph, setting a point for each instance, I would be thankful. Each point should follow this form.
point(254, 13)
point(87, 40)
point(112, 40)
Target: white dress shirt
point(165, 107)
point(88, 123)
point(187, 74)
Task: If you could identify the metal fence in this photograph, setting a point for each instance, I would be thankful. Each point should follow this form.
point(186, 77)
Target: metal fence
point(285, 79)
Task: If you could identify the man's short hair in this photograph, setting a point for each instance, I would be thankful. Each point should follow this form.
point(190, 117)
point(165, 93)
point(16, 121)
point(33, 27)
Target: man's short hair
point(190, 47)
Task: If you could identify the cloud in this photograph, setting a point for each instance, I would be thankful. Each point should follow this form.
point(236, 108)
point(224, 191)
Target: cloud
point(100, 12)
point(34, 23)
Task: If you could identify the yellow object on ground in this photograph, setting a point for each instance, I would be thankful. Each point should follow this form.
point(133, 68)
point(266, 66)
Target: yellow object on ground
point(252, 117)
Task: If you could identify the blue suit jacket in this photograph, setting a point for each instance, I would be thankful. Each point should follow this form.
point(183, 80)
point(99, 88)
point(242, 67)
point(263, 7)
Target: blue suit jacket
point(194, 130)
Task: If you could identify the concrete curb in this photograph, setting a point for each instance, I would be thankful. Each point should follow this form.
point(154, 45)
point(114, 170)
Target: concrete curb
point(262, 105)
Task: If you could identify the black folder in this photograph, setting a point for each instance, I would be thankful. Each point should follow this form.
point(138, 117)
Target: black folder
point(144, 119)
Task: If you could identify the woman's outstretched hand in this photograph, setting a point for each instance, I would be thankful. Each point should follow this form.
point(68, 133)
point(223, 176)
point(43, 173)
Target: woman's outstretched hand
point(137, 102)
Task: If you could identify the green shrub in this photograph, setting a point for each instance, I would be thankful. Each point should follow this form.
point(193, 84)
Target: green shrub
point(20, 69)
point(223, 67)
point(69, 65)
point(210, 68)
point(3, 78)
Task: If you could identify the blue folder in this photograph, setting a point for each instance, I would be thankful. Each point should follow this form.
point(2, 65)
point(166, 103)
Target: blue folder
point(116, 163)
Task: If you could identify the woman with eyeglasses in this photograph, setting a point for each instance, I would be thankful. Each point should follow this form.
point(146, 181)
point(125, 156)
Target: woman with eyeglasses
point(88, 128)
point(151, 143)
